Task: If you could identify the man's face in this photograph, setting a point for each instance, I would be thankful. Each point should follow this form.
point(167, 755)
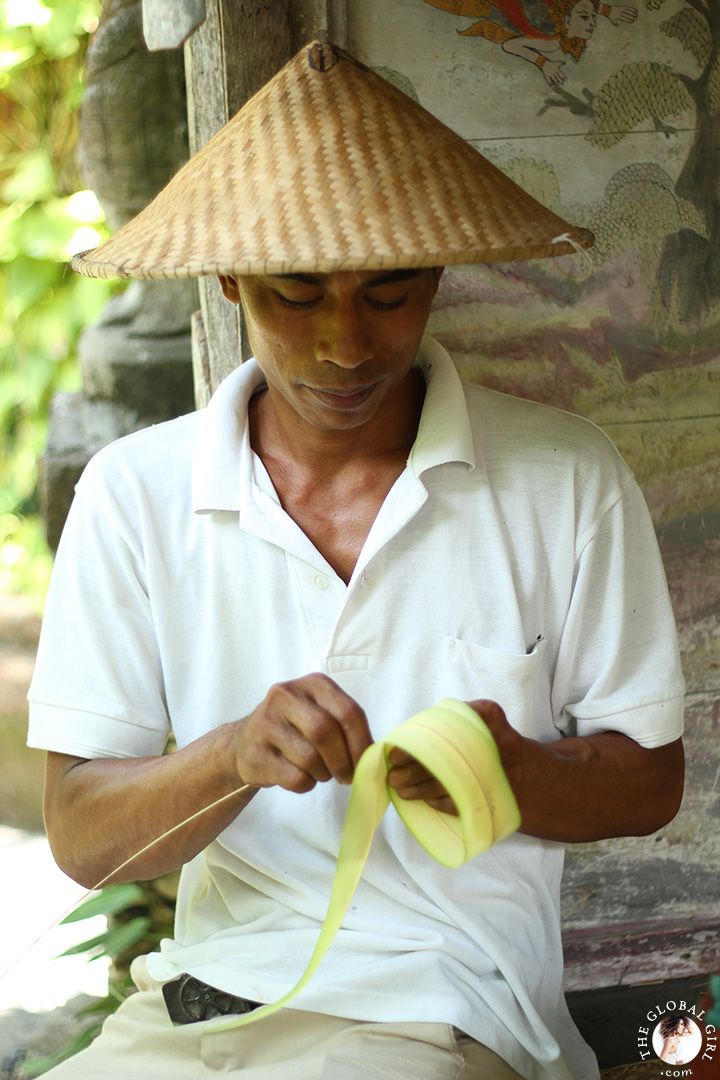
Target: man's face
point(336, 348)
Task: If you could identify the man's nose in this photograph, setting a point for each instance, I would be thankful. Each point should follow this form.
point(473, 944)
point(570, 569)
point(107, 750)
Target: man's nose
point(343, 338)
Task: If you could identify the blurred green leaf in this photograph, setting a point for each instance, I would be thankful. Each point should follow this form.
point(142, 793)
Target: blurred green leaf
point(25, 561)
point(43, 231)
point(113, 941)
point(12, 55)
point(108, 901)
point(26, 280)
point(43, 206)
point(32, 181)
point(91, 945)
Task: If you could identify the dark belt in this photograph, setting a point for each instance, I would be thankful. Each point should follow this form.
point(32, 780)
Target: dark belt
point(189, 1000)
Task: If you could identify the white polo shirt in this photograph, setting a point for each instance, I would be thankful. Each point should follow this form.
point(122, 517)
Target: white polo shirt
point(513, 559)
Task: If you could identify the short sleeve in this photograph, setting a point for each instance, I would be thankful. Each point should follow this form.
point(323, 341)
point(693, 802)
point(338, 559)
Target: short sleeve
point(98, 688)
point(619, 664)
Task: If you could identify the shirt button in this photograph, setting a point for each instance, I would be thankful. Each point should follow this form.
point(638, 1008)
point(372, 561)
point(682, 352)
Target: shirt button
point(320, 581)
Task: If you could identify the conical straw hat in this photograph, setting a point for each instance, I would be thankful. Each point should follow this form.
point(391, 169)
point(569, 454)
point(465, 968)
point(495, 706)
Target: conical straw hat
point(330, 167)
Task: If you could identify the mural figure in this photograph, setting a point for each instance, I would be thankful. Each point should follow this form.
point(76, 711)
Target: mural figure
point(539, 31)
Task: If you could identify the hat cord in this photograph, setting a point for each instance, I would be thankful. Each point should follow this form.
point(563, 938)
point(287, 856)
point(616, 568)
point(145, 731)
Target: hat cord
point(585, 258)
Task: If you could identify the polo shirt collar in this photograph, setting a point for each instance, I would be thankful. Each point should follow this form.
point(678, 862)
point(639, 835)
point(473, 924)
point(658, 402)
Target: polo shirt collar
point(222, 459)
point(444, 433)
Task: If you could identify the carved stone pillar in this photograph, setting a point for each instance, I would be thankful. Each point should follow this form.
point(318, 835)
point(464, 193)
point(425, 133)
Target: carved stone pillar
point(136, 359)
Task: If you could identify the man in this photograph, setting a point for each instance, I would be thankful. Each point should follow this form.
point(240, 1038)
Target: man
point(344, 536)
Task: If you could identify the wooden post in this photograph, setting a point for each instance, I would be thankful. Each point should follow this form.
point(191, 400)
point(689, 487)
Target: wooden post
point(238, 48)
point(235, 51)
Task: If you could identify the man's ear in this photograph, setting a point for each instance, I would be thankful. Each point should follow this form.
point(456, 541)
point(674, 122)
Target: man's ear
point(437, 274)
point(230, 288)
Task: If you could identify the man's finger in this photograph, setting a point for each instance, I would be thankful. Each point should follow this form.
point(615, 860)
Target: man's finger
point(430, 791)
point(490, 712)
point(292, 743)
point(310, 738)
point(347, 715)
point(407, 773)
point(333, 726)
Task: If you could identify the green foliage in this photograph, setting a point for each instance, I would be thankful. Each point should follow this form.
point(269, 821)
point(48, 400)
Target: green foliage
point(114, 941)
point(692, 31)
point(25, 562)
point(108, 901)
point(635, 93)
point(139, 915)
point(45, 217)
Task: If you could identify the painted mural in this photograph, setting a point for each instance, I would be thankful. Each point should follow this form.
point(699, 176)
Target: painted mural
point(541, 33)
point(645, 129)
point(610, 115)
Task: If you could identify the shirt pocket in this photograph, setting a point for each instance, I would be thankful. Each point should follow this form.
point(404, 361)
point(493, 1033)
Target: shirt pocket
point(469, 671)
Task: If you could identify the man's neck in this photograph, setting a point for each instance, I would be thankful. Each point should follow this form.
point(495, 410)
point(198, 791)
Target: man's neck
point(279, 434)
point(333, 483)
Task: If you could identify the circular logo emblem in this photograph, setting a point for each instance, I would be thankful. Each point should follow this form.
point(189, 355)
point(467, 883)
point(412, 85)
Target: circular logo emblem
point(675, 1034)
point(677, 1039)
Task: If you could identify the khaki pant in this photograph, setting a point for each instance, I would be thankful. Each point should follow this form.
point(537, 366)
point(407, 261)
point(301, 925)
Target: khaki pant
point(140, 1043)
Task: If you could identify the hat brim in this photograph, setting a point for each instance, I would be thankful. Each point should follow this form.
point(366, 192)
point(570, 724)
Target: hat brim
point(330, 168)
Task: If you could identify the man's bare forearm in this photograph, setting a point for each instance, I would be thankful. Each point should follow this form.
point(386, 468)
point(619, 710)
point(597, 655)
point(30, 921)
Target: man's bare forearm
point(576, 790)
point(101, 812)
point(598, 787)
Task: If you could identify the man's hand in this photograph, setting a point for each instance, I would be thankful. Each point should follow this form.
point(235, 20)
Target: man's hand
point(571, 790)
point(304, 732)
point(508, 741)
point(577, 789)
point(412, 780)
point(103, 812)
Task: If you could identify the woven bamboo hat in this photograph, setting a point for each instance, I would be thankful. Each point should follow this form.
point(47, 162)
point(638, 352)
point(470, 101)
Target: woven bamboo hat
point(330, 167)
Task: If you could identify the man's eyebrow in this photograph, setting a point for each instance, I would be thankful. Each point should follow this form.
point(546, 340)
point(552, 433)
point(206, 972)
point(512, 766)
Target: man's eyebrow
point(408, 274)
point(304, 279)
